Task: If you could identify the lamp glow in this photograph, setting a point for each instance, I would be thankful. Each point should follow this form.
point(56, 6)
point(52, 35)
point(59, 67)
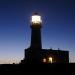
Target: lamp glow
point(36, 19)
point(50, 59)
point(44, 60)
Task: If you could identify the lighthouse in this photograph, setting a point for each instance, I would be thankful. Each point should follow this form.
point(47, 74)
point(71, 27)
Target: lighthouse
point(36, 25)
point(35, 53)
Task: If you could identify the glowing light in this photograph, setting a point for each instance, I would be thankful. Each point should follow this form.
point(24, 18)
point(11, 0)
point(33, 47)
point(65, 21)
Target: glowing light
point(44, 60)
point(50, 59)
point(36, 19)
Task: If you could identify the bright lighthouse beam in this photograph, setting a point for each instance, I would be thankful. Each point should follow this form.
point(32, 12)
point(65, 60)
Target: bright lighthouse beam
point(36, 19)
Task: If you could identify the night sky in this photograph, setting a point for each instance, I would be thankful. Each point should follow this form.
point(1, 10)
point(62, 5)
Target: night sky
point(58, 27)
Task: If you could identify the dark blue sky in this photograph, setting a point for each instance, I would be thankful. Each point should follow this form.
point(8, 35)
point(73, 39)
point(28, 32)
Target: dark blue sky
point(58, 28)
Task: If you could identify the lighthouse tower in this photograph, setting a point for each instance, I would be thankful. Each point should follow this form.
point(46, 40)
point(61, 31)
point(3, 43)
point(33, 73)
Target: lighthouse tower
point(36, 31)
point(32, 54)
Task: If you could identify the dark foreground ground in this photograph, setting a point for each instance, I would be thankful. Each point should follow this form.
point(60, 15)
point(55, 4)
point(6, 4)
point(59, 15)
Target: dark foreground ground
point(38, 68)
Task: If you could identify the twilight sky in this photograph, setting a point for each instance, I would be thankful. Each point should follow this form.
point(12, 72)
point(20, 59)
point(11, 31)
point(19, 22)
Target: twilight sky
point(58, 28)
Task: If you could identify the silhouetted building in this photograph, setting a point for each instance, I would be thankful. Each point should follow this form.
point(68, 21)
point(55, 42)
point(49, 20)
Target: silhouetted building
point(35, 53)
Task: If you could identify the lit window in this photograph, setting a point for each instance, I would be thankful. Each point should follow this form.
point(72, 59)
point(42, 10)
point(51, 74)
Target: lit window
point(44, 60)
point(50, 59)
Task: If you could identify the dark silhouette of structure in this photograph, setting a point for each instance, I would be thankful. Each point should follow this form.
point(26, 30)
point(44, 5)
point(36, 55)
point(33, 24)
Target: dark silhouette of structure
point(35, 53)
